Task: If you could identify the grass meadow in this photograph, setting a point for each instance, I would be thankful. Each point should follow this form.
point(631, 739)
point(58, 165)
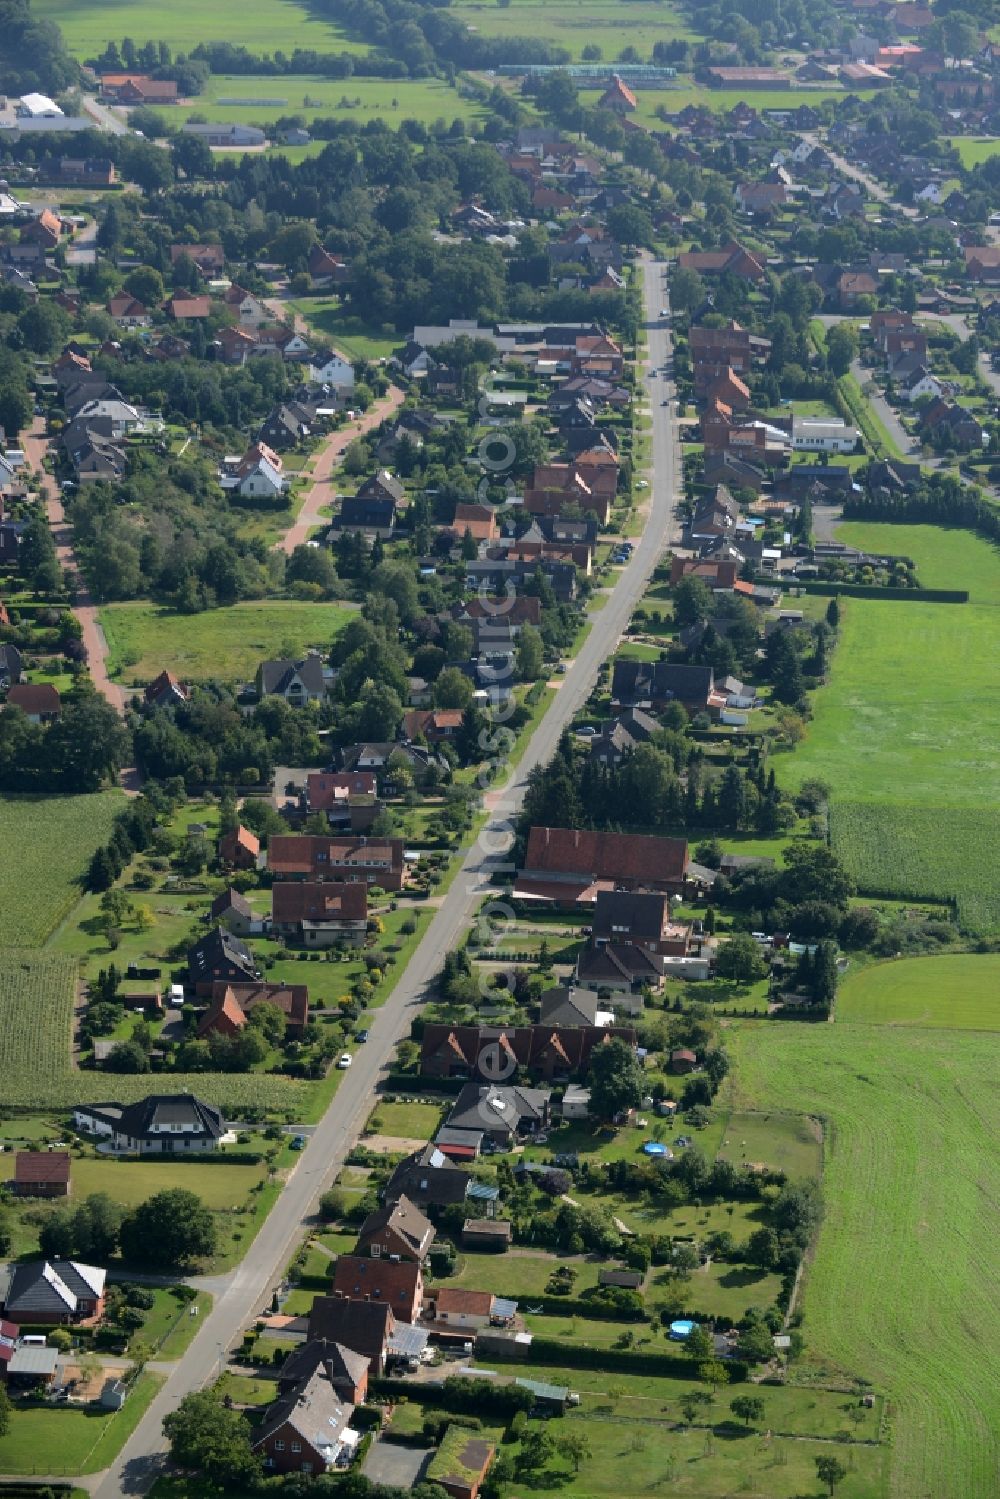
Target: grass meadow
point(574, 24)
point(226, 644)
point(65, 1439)
point(264, 99)
point(907, 730)
point(973, 150)
point(904, 1287)
point(264, 26)
point(46, 845)
point(356, 339)
point(953, 991)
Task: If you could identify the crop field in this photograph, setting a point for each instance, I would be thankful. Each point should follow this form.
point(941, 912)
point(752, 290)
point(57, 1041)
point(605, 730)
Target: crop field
point(315, 97)
point(904, 1289)
point(959, 991)
point(224, 643)
point(88, 25)
point(574, 24)
point(923, 852)
point(36, 1006)
point(47, 844)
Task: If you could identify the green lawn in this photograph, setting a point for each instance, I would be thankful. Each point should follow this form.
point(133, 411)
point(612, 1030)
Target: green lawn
point(61, 1439)
point(974, 150)
point(263, 99)
point(88, 27)
point(782, 1142)
point(356, 339)
point(227, 644)
point(413, 1121)
point(518, 1275)
point(904, 1288)
point(169, 1327)
point(48, 843)
point(959, 991)
point(944, 558)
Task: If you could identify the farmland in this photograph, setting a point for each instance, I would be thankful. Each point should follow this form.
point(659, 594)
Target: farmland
point(226, 644)
point(54, 838)
point(88, 27)
point(912, 851)
point(956, 990)
point(570, 24)
point(904, 1286)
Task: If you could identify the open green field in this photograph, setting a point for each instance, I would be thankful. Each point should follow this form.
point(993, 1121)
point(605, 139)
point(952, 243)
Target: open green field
point(88, 25)
point(944, 558)
point(782, 1142)
point(413, 1121)
point(47, 843)
point(974, 149)
point(132, 1181)
point(959, 991)
point(574, 24)
point(263, 99)
point(226, 644)
point(904, 1289)
point(63, 1439)
point(354, 338)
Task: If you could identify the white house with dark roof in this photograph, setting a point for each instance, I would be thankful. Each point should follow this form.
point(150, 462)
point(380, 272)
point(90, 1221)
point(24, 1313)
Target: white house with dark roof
point(174, 1123)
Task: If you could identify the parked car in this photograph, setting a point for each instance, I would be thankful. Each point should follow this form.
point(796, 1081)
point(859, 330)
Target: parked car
point(362, 1035)
point(345, 1061)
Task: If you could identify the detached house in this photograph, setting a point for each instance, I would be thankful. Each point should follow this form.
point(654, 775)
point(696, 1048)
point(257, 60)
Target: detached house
point(502, 1115)
point(220, 956)
point(375, 861)
point(239, 849)
point(298, 682)
point(398, 1228)
point(567, 866)
point(230, 1006)
point(307, 1430)
point(41, 1173)
point(657, 683)
point(321, 915)
point(54, 1293)
point(162, 1123)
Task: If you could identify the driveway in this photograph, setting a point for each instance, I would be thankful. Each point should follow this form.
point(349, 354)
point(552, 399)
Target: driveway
point(248, 1289)
point(397, 1464)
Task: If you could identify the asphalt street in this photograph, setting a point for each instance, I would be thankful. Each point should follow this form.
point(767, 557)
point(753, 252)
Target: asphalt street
point(241, 1295)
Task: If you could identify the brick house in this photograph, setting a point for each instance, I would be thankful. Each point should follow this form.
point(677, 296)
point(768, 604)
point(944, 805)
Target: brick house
point(41, 1173)
point(54, 1293)
point(363, 1326)
point(231, 1004)
point(378, 861)
point(565, 865)
point(398, 1283)
point(397, 1228)
point(552, 1053)
point(330, 914)
point(304, 1431)
point(239, 849)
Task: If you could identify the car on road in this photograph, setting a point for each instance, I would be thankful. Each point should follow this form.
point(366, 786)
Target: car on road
point(345, 1061)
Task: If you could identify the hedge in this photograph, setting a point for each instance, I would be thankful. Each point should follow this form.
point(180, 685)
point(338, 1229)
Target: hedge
point(569, 1306)
point(872, 591)
point(504, 1400)
point(552, 1354)
point(411, 1082)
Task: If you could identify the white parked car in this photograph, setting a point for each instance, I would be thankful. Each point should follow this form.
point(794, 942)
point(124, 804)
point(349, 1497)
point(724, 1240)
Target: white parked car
point(345, 1060)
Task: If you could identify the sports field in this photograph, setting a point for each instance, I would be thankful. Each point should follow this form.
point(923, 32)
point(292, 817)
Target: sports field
point(904, 1289)
point(955, 991)
point(262, 99)
point(46, 845)
point(267, 25)
point(227, 644)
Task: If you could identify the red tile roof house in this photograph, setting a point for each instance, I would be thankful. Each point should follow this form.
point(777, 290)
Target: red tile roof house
point(553, 1053)
point(378, 861)
point(349, 798)
point(618, 96)
point(683, 1060)
point(208, 258)
point(394, 1282)
point(565, 866)
point(458, 1309)
point(397, 1228)
point(239, 849)
point(331, 914)
point(732, 260)
point(231, 1004)
point(41, 1173)
point(39, 701)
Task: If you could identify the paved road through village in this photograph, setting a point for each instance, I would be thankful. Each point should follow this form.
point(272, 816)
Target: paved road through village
point(248, 1289)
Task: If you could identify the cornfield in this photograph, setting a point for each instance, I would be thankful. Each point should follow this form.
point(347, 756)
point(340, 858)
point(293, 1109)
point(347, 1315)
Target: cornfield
point(907, 851)
point(46, 844)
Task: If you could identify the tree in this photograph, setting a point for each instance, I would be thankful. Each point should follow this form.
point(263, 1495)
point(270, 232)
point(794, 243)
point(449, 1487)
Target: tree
point(529, 654)
point(693, 1403)
point(615, 1080)
point(833, 614)
point(16, 408)
point(207, 1437)
point(43, 326)
point(698, 1344)
point(170, 1229)
point(693, 601)
point(146, 284)
point(575, 1447)
point(762, 1248)
point(535, 1450)
point(841, 348)
point(269, 1019)
point(831, 1471)
point(453, 689)
point(127, 1057)
point(748, 1409)
point(741, 960)
point(713, 1372)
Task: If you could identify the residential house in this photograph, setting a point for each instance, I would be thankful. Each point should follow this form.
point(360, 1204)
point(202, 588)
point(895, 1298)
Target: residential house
point(233, 911)
point(219, 956)
point(373, 514)
point(138, 88)
point(378, 861)
point(567, 1006)
point(346, 1371)
point(618, 97)
point(396, 1228)
point(455, 1310)
point(639, 917)
point(821, 435)
point(306, 1430)
point(10, 660)
point(230, 1006)
point(38, 701)
point(477, 521)
point(761, 199)
point(501, 1114)
point(433, 724)
point(290, 422)
point(853, 286)
point(551, 1053)
point(228, 137)
point(332, 914)
point(428, 1179)
point(567, 866)
point(347, 798)
point(393, 1280)
point(258, 475)
point(249, 310)
point(44, 231)
point(54, 1293)
point(165, 691)
point(298, 682)
point(325, 269)
point(162, 1123)
point(362, 1326)
point(239, 849)
point(186, 307)
point(620, 967)
point(129, 312)
point(657, 683)
point(731, 260)
point(41, 1173)
point(721, 574)
point(329, 367)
